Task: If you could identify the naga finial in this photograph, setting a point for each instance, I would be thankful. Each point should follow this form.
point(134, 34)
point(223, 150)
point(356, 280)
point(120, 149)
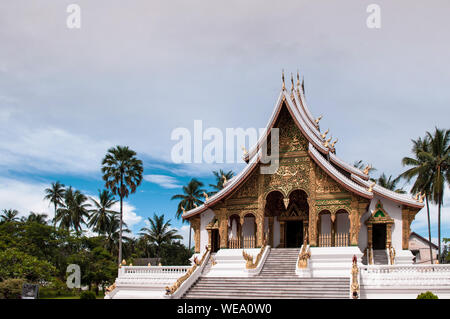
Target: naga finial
point(298, 80)
point(244, 150)
point(183, 209)
point(325, 133)
point(224, 180)
point(282, 79)
point(318, 119)
point(367, 169)
point(371, 187)
point(292, 83)
point(206, 196)
point(335, 141)
point(422, 196)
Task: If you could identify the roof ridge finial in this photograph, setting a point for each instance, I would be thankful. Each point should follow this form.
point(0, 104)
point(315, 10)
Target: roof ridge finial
point(303, 84)
point(292, 82)
point(298, 80)
point(282, 79)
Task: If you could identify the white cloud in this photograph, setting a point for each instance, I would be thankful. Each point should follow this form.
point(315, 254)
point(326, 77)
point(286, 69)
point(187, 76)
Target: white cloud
point(29, 196)
point(24, 197)
point(184, 231)
point(50, 149)
point(162, 180)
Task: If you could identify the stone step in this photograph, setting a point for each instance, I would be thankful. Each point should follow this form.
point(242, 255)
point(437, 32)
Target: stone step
point(264, 295)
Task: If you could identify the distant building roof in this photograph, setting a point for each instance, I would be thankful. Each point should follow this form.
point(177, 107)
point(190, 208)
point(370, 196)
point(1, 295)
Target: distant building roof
point(423, 239)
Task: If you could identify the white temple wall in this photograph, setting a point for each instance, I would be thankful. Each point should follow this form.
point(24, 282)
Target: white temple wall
point(248, 228)
point(325, 224)
point(232, 233)
point(205, 218)
point(395, 212)
point(342, 223)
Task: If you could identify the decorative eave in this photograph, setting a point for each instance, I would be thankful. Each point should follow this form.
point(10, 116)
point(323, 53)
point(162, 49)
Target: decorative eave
point(338, 176)
point(386, 193)
point(299, 121)
point(303, 105)
point(347, 167)
point(230, 186)
point(311, 126)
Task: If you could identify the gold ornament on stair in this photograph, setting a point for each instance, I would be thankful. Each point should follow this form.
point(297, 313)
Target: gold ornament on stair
point(177, 284)
point(305, 254)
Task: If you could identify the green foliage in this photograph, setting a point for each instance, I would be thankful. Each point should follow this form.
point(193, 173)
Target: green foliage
point(17, 264)
point(87, 294)
point(176, 254)
point(56, 288)
point(427, 295)
point(11, 288)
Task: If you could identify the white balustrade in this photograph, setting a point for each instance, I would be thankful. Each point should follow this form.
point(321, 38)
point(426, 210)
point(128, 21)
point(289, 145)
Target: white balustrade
point(405, 275)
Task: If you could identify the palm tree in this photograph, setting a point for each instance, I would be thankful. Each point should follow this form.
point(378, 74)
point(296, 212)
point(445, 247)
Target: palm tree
point(122, 173)
point(9, 215)
point(55, 194)
point(390, 183)
point(438, 161)
point(73, 211)
point(221, 176)
point(101, 214)
point(112, 233)
point(429, 165)
point(189, 199)
point(37, 218)
point(159, 232)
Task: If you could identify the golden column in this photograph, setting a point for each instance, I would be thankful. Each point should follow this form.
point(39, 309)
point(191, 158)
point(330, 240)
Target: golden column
point(195, 223)
point(223, 227)
point(408, 216)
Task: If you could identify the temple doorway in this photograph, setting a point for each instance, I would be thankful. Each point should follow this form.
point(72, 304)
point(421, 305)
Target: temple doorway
point(215, 240)
point(294, 234)
point(379, 236)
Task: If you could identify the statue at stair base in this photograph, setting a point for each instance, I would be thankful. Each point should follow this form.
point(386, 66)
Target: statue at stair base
point(230, 262)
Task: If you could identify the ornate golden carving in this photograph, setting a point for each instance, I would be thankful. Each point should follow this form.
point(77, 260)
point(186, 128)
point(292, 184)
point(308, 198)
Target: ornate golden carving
point(177, 284)
point(355, 284)
point(110, 288)
point(305, 254)
point(392, 254)
point(249, 258)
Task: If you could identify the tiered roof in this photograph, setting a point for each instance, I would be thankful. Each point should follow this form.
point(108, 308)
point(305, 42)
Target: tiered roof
point(320, 150)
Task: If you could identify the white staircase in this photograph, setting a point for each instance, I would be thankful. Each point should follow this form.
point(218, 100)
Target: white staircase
point(277, 279)
point(380, 257)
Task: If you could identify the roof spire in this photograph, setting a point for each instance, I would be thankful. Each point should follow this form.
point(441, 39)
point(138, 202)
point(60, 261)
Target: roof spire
point(292, 83)
point(282, 79)
point(303, 84)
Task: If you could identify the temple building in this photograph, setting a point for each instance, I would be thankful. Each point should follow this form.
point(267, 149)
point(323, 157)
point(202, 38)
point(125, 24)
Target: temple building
point(313, 197)
point(311, 226)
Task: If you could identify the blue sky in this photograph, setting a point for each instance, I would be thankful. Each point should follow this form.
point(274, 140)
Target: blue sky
point(137, 70)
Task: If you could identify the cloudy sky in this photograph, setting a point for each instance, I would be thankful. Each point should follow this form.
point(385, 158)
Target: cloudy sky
point(136, 70)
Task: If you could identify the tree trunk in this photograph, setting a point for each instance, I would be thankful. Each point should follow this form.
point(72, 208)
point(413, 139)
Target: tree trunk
point(190, 228)
point(439, 215)
point(120, 231)
point(54, 218)
point(439, 229)
point(429, 228)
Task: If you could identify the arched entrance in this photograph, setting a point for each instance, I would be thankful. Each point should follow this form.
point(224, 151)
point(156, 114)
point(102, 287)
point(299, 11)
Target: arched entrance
point(291, 214)
point(379, 228)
